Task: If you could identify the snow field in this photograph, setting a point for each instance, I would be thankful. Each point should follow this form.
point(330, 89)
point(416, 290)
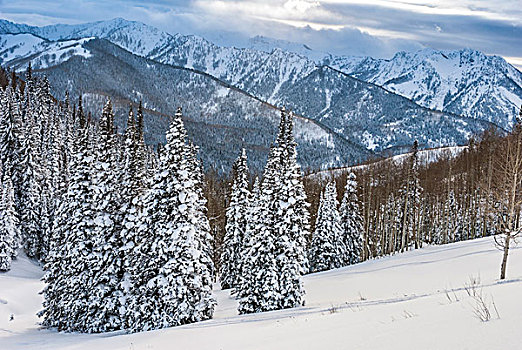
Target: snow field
point(415, 300)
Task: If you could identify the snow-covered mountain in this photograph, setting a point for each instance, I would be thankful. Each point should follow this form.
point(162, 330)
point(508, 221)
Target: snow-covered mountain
point(16, 48)
point(263, 43)
point(464, 82)
point(475, 89)
point(219, 118)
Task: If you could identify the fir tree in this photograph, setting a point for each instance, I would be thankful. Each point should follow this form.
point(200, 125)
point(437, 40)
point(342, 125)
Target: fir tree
point(68, 271)
point(204, 239)
point(30, 208)
point(351, 221)
point(235, 228)
point(169, 284)
point(328, 250)
point(276, 256)
point(9, 226)
point(252, 218)
point(106, 262)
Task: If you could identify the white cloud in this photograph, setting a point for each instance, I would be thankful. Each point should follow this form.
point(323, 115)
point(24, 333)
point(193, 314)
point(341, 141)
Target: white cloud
point(364, 27)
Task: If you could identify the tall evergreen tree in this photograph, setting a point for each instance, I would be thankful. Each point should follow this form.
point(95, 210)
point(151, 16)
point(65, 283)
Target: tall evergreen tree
point(30, 208)
point(68, 267)
point(291, 220)
point(327, 250)
point(235, 228)
point(170, 285)
point(352, 221)
point(204, 238)
point(9, 226)
point(106, 261)
point(276, 256)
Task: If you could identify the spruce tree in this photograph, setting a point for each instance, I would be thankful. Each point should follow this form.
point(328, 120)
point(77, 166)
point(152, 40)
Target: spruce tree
point(328, 250)
point(169, 284)
point(258, 290)
point(204, 238)
point(351, 221)
point(30, 208)
point(235, 228)
point(9, 226)
point(252, 218)
point(276, 256)
point(106, 262)
point(291, 220)
point(68, 270)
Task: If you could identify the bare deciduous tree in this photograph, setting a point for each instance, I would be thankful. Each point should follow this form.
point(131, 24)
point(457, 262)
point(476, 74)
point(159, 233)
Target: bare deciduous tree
point(506, 189)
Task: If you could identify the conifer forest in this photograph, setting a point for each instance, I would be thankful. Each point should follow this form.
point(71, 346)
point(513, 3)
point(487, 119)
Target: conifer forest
point(253, 175)
point(132, 238)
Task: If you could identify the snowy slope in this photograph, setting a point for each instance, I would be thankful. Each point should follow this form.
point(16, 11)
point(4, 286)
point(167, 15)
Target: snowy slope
point(464, 82)
point(426, 156)
point(16, 48)
point(416, 300)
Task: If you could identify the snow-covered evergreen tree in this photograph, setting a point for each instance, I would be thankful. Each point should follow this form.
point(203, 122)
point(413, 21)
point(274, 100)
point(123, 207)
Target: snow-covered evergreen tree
point(10, 138)
point(235, 228)
point(291, 222)
point(351, 221)
point(169, 284)
point(204, 238)
point(68, 268)
point(276, 256)
point(106, 262)
point(30, 208)
point(327, 250)
point(9, 226)
point(252, 216)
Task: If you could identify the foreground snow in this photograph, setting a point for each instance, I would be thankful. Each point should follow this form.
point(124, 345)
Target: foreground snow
point(415, 300)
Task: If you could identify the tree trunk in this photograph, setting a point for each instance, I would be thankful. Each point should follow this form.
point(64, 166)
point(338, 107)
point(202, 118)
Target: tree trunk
point(504, 258)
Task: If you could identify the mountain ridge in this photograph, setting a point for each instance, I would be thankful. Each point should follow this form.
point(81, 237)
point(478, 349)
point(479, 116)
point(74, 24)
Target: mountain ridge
point(373, 115)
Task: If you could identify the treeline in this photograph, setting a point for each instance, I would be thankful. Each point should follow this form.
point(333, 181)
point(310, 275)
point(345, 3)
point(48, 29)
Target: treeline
point(132, 238)
point(408, 204)
point(123, 231)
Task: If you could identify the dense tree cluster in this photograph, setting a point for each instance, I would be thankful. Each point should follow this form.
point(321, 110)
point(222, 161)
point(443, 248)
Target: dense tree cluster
point(119, 251)
point(407, 202)
point(264, 250)
point(129, 236)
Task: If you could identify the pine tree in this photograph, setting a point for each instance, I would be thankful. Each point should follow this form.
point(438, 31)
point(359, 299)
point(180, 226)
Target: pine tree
point(106, 261)
point(10, 138)
point(235, 228)
point(276, 256)
point(351, 221)
point(9, 226)
point(169, 284)
point(204, 238)
point(68, 271)
point(30, 208)
point(328, 250)
point(252, 218)
point(291, 220)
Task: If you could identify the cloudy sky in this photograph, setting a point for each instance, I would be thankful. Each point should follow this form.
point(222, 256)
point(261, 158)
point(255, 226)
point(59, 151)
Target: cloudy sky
point(355, 27)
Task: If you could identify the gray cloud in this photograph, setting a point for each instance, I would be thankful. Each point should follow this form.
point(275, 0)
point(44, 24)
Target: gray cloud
point(355, 27)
